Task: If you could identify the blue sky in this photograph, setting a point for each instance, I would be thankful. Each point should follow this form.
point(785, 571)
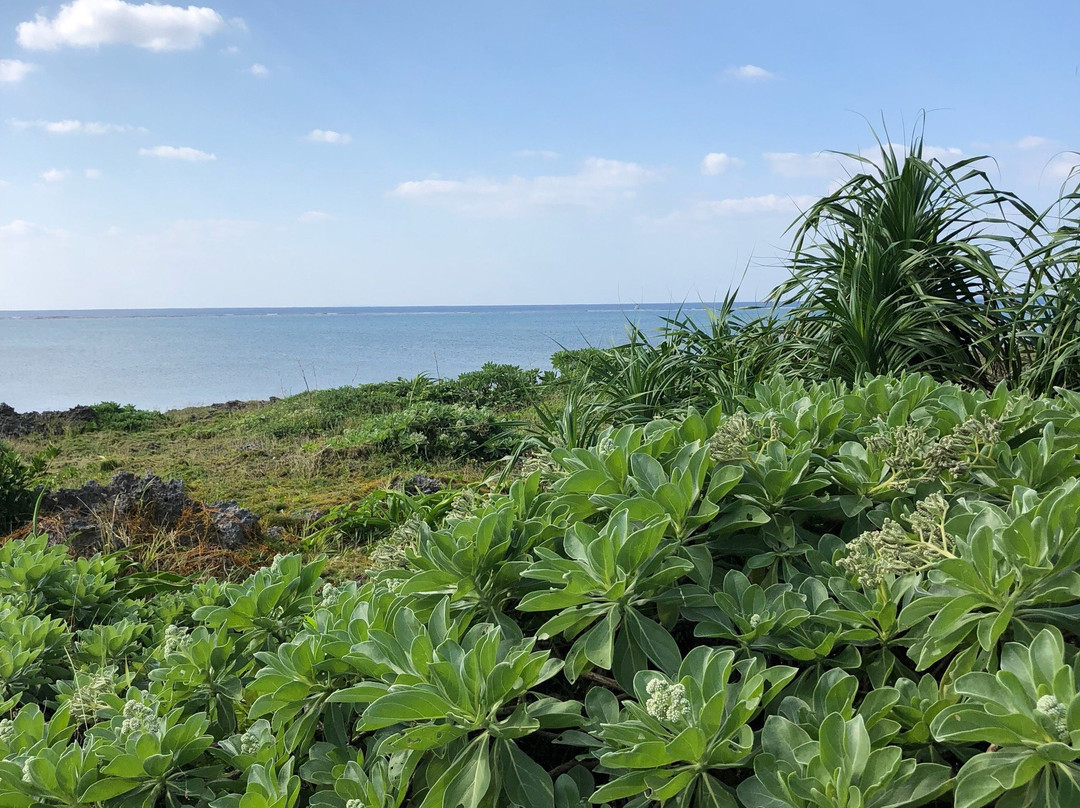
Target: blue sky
point(358, 153)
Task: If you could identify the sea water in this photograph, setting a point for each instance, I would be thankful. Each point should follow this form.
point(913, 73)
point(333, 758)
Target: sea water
point(171, 358)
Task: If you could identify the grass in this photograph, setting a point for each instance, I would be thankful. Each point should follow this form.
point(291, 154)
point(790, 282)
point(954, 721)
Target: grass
point(285, 460)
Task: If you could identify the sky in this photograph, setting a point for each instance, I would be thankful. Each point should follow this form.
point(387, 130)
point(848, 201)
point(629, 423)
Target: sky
point(355, 153)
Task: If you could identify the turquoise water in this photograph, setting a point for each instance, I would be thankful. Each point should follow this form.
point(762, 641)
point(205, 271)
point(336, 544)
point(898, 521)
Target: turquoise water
point(164, 359)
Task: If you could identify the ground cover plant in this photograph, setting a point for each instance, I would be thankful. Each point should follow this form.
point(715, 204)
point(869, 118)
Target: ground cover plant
point(288, 458)
point(826, 595)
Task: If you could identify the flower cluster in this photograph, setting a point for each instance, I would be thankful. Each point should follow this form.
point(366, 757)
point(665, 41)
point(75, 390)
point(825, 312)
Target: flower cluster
point(275, 565)
point(392, 552)
point(139, 718)
point(928, 520)
point(330, 596)
point(912, 454)
point(1053, 709)
point(731, 439)
point(176, 637)
point(7, 730)
point(667, 702)
point(89, 693)
point(953, 453)
point(903, 446)
point(464, 506)
point(250, 743)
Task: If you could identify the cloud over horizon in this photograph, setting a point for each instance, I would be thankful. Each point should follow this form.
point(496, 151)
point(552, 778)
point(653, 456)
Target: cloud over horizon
point(597, 183)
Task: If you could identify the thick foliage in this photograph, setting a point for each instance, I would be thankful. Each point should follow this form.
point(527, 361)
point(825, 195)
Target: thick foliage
point(829, 596)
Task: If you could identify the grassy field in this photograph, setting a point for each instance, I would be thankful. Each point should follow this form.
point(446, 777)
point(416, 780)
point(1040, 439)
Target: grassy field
point(275, 458)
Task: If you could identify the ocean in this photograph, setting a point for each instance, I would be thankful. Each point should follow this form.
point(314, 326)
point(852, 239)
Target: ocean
point(171, 358)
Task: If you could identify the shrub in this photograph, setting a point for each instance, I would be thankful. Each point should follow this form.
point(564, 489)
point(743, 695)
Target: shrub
point(831, 597)
point(433, 430)
point(19, 477)
point(499, 387)
point(125, 418)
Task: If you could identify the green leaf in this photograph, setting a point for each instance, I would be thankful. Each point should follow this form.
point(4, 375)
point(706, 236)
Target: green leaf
point(524, 780)
point(404, 705)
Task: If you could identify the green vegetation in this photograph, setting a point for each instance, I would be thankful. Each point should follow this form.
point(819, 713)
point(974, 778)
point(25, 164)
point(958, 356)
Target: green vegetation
point(19, 477)
point(832, 595)
point(309, 452)
point(825, 555)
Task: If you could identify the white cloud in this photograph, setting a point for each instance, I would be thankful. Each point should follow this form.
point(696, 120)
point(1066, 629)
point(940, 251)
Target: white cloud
point(1031, 142)
point(944, 154)
point(314, 216)
point(1065, 166)
point(114, 231)
point(54, 175)
point(69, 127)
point(259, 71)
point(232, 50)
point(718, 163)
point(545, 154)
point(767, 204)
point(14, 70)
point(750, 73)
point(597, 183)
point(329, 136)
point(793, 164)
point(833, 166)
point(21, 227)
point(93, 174)
point(178, 153)
point(90, 23)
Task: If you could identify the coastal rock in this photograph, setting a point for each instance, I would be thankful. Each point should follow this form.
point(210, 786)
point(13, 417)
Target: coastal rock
point(98, 517)
point(422, 484)
point(235, 525)
point(20, 424)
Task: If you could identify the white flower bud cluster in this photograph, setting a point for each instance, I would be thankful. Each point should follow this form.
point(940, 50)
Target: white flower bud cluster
point(7, 730)
point(732, 438)
point(139, 718)
point(88, 697)
point(755, 620)
point(26, 778)
point(250, 743)
point(355, 804)
point(275, 565)
point(605, 447)
point(667, 702)
point(1055, 711)
point(176, 637)
point(330, 596)
point(928, 518)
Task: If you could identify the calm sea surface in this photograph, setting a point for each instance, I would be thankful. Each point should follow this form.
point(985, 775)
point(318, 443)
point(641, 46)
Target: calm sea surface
point(164, 359)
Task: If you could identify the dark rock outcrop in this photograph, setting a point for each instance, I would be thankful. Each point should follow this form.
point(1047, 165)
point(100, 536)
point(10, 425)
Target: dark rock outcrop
point(422, 484)
point(90, 518)
point(20, 424)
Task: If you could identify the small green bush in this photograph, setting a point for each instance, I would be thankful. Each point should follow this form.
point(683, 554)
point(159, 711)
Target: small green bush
point(19, 476)
point(433, 430)
point(125, 417)
point(499, 387)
